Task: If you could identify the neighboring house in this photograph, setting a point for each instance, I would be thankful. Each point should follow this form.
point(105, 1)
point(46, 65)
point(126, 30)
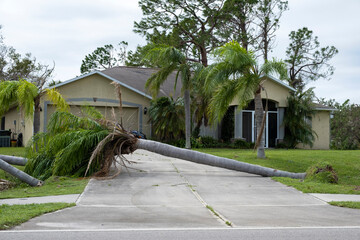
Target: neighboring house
point(95, 89)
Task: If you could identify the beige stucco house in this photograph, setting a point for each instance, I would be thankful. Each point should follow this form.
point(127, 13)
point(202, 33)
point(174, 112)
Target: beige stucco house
point(95, 89)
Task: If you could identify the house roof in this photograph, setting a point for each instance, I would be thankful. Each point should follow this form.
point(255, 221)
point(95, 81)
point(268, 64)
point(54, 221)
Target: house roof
point(321, 107)
point(133, 78)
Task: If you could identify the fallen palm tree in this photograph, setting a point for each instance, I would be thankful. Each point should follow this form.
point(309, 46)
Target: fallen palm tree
point(14, 160)
point(19, 174)
point(211, 160)
point(70, 141)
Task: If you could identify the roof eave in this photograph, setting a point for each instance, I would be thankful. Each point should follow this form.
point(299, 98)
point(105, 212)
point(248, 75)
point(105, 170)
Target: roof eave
point(326, 109)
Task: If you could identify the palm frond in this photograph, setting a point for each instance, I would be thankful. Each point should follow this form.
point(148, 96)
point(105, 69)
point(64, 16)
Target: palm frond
point(57, 99)
point(8, 95)
point(298, 117)
point(167, 117)
point(274, 66)
point(63, 121)
point(158, 78)
point(221, 100)
point(26, 93)
point(91, 112)
point(73, 158)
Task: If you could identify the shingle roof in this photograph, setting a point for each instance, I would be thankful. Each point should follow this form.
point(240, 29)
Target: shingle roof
point(134, 78)
point(321, 107)
point(137, 77)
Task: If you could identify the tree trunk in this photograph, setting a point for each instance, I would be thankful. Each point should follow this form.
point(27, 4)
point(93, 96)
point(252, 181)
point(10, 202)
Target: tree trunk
point(37, 114)
point(204, 58)
point(14, 160)
point(187, 119)
point(259, 115)
point(207, 159)
point(19, 174)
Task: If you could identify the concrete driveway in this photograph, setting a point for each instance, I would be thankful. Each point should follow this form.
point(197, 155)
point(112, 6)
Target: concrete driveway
point(170, 193)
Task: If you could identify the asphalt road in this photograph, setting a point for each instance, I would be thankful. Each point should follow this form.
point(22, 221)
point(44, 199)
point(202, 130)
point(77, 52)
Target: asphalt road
point(199, 234)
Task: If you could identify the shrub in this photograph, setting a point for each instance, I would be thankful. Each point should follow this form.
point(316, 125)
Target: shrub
point(209, 142)
point(242, 144)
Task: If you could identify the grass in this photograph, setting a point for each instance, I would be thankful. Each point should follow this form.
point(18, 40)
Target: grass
point(13, 151)
point(217, 215)
point(346, 164)
point(52, 186)
point(12, 215)
point(355, 205)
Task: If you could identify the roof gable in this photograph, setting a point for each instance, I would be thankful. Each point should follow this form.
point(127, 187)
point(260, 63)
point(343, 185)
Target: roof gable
point(105, 76)
point(278, 81)
point(134, 79)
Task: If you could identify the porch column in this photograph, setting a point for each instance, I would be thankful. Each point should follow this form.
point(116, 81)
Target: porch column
point(281, 133)
point(238, 123)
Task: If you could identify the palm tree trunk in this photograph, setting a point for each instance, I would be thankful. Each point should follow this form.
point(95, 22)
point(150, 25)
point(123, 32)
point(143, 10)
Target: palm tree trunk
point(14, 160)
point(19, 174)
point(37, 114)
point(187, 119)
point(259, 115)
point(207, 159)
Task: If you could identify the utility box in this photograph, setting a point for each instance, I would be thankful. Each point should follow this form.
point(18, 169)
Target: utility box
point(5, 138)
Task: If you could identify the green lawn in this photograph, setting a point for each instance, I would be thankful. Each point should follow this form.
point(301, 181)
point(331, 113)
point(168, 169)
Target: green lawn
point(345, 163)
point(52, 186)
point(355, 205)
point(12, 215)
point(13, 151)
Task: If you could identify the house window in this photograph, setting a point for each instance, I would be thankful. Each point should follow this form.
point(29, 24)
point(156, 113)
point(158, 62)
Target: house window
point(2, 123)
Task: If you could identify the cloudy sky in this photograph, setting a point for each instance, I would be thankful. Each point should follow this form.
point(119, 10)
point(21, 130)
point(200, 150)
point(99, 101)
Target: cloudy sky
point(64, 31)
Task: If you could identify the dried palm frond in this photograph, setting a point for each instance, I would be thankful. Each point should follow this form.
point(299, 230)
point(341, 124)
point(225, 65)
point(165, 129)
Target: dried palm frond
point(117, 143)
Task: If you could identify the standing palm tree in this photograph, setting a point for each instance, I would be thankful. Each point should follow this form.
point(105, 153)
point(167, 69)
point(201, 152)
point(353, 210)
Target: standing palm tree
point(27, 96)
point(172, 60)
point(236, 75)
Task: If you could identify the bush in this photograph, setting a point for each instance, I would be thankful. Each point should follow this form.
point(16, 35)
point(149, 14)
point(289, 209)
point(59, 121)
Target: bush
point(242, 144)
point(209, 142)
point(195, 143)
point(322, 172)
point(284, 145)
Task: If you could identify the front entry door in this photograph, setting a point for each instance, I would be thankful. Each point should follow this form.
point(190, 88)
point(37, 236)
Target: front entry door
point(249, 128)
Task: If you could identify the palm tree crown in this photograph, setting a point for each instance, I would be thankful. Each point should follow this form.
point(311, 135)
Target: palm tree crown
point(236, 75)
point(172, 60)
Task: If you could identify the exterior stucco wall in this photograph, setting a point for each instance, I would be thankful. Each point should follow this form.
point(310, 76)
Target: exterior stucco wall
point(321, 125)
point(274, 91)
point(11, 116)
point(96, 90)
